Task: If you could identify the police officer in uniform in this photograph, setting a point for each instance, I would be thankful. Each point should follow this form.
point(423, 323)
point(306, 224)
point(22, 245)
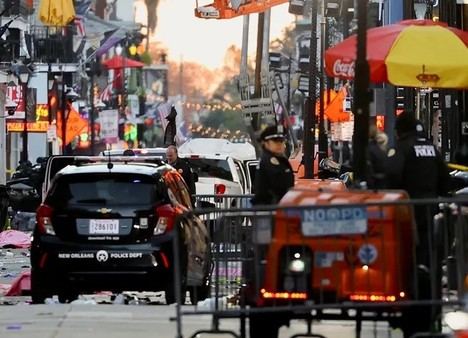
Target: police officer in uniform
point(181, 166)
point(415, 165)
point(274, 174)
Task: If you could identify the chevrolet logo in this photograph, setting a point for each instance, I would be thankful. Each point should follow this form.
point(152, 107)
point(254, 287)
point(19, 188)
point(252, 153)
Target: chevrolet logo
point(104, 210)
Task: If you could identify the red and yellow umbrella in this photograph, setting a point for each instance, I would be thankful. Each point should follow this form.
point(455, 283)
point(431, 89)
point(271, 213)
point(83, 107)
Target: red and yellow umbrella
point(412, 53)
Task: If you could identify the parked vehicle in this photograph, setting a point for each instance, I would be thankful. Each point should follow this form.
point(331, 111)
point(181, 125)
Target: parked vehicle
point(222, 167)
point(457, 321)
point(110, 225)
point(160, 151)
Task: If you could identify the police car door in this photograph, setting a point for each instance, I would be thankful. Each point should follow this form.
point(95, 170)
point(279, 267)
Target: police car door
point(243, 180)
point(53, 166)
point(251, 169)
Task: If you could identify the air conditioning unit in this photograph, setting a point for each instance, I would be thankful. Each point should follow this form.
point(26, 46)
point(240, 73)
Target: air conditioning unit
point(296, 7)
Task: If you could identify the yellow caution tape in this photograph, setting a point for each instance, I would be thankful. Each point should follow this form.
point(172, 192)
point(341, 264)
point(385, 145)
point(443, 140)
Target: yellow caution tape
point(457, 166)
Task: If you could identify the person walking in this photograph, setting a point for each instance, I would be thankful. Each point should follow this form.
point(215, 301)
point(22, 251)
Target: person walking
point(274, 175)
point(182, 167)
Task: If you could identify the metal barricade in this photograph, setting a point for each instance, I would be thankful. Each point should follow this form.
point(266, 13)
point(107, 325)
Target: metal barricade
point(403, 262)
point(218, 204)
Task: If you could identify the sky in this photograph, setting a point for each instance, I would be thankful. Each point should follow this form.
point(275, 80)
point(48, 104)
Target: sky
point(200, 40)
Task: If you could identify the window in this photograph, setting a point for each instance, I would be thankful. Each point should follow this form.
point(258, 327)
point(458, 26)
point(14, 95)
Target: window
point(107, 189)
point(240, 173)
point(204, 167)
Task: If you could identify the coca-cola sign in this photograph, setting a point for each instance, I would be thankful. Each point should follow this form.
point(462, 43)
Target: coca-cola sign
point(343, 69)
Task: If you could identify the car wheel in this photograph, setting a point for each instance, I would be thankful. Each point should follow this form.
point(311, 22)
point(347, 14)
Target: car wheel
point(38, 292)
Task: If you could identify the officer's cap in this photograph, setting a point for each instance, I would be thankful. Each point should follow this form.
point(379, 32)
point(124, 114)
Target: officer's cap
point(272, 133)
point(406, 122)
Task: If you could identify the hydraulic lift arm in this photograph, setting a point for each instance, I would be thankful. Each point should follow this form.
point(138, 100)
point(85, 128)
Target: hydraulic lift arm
point(228, 9)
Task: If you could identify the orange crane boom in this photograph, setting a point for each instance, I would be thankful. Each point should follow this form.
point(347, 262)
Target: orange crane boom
point(228, 9)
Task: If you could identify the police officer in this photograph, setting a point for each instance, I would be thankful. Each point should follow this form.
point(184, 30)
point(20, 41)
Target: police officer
point(181, 166)
point(415, 165)
point(274, 174)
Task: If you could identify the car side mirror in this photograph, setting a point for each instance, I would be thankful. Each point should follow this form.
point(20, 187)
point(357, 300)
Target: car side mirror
point(195, 177)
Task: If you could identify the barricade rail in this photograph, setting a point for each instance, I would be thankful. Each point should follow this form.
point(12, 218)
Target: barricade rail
point(403, 261)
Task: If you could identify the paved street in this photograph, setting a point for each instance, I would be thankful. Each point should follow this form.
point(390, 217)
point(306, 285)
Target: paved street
point(97, 316)
point(68, 321)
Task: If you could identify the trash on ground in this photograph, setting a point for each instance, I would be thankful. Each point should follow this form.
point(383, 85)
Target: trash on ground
point(21, 285)
point(82, 301)
point(14, 239)
point(51, 301)
point(14, 327)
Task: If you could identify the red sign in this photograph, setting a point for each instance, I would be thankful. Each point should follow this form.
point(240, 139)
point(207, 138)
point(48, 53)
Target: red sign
point(15, 94)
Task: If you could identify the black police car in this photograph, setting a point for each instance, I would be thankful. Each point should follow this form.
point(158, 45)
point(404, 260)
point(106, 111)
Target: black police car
point(105, 226)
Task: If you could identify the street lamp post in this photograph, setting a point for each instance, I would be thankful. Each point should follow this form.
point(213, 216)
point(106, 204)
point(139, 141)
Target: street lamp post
point(361, 97)
point(24, 79)
point(309, 113)
point(322, 141)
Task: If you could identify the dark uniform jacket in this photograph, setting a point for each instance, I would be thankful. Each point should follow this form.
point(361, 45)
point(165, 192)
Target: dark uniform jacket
point(417, 167)
point(183, 168)
point(376, 170)
point(273, 179)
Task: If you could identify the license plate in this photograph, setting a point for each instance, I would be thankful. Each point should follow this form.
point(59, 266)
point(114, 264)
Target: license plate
point(103, 226)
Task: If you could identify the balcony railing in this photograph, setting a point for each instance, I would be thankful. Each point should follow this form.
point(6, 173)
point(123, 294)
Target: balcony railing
point(17, 7)
point(53, 44)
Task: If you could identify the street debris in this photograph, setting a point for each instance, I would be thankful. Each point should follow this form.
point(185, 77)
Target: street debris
point(14, 239)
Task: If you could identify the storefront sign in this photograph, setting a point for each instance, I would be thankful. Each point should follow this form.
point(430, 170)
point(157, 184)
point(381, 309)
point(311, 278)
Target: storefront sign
point(109, 120)
point(15, 94)
point(33, 127)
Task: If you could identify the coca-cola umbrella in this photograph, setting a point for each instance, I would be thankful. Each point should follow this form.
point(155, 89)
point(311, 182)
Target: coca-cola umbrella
point(411, 53)
point(120, 62)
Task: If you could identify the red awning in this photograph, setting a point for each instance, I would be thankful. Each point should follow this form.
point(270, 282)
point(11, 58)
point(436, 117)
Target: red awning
point(118, 62)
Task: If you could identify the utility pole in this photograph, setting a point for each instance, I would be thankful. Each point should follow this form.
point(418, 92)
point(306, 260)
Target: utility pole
point(92, 112)
point(361, 97)
point(309, 111)
point(323, 142)
point(64, 117)
point(24, 152)
point(3, 162)
point(181, 77)
point(461, 153)
point(258, 68)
